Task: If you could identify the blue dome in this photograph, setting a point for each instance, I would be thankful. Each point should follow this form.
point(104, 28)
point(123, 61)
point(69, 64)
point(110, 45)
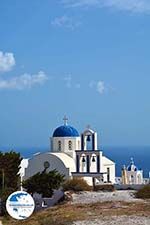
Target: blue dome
point(65, 131)
point(130, 168)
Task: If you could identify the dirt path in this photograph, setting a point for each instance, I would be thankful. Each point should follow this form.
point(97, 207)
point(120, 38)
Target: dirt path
point(92, 197)
point(121, 220)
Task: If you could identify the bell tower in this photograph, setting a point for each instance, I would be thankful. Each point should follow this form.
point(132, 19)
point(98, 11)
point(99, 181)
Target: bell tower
point(89, 139)
point(88, 159)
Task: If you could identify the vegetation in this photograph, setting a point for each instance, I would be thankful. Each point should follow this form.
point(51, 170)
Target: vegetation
point(104, 187)
point(9, 177)
point(76, 184)
point(144, 192)
point(44, 183)
point(9, 168)
point(68, 213)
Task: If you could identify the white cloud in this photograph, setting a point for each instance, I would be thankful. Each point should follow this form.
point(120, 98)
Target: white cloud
point(101, 87)
point(80, 3)
point(24, 81)
point(139, 6)
point(70, 83)
point(7, 61)
point(68, 80)
point(65, 21)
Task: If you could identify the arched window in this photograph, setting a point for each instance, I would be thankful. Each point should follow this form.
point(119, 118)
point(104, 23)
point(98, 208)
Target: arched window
point(108, 174)
point(70, 145)
point(59, 145)
point(131, 179)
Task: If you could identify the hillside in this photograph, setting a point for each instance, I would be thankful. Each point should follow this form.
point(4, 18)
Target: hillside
point(101, 212)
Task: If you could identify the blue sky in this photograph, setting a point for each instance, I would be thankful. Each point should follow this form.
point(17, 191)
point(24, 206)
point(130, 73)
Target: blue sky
point(87, 59)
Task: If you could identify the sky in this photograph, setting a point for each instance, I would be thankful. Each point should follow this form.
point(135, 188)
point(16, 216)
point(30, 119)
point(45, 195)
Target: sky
point(87, 59)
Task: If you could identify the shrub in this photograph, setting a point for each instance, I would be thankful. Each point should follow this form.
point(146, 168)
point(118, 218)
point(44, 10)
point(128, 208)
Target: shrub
point(104, 187)
point(143, 192)
point(76, 184)
point(44, 183)
point(3, 197)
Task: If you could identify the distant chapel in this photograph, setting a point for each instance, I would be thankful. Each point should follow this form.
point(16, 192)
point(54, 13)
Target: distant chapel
point(131, 174)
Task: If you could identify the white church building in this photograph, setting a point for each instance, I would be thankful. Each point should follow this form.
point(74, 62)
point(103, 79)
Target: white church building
point(72, 155)
point(131, 174)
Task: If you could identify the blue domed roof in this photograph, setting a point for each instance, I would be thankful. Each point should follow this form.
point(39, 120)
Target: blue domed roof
point(132, 167)
point(65, 131)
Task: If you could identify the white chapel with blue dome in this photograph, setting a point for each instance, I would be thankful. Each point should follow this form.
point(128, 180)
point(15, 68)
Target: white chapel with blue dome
point(74, 155)
point(131, 174)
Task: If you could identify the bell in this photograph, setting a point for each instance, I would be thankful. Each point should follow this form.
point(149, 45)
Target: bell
point(88, 138)
point(83, 159)
point(93, 159)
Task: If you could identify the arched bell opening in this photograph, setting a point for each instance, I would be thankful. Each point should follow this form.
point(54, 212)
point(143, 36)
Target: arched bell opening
point(83, 163)
point(89, 144)
point(89, 140)
point(93, 163)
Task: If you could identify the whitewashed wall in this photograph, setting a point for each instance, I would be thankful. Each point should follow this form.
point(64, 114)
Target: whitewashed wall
point(63, 163)
point(76, 145)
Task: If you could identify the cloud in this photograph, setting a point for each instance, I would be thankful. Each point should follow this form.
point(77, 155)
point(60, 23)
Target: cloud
point(68, 80)
point(65, 21)
point(24, 81)
point(138, 6)
point(7, 61)
point(80, 3)
point(99, 86)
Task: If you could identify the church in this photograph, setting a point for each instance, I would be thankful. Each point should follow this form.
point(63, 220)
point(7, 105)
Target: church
point(131, 174)
point(73, 155)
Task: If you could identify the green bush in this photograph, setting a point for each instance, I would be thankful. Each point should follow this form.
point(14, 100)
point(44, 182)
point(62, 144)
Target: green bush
point(76, 184)
point(143, 192)
point(44, 183)
point(3, 196)
point(104, 187)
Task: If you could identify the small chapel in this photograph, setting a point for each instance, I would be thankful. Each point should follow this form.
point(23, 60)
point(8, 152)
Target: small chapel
point(131, 174)
point(73, 155)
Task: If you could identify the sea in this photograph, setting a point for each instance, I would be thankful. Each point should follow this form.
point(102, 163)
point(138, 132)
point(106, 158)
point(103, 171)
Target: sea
point(121, 155)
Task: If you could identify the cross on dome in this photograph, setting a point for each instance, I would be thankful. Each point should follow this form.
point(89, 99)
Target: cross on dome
point(88, 127)
point(65, 119)
point(132, 161)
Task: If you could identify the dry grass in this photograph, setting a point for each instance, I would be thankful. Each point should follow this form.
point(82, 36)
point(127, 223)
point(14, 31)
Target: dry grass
point(105, 187)
point(144, 192)
point(65, 214)
point(76, 184)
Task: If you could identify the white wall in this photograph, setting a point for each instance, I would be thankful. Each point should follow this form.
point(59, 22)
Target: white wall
point(36, 164)
point(135, 175)
point(106, 163)
point(76, 145)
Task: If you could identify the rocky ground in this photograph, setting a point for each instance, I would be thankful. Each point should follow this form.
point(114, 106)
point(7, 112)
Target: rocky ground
point(93, 208)
point(116, 197)
point(116, 220)
point(91, 197)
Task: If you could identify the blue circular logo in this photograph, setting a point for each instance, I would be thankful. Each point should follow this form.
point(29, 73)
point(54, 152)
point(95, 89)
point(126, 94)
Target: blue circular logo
point(20, 205)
